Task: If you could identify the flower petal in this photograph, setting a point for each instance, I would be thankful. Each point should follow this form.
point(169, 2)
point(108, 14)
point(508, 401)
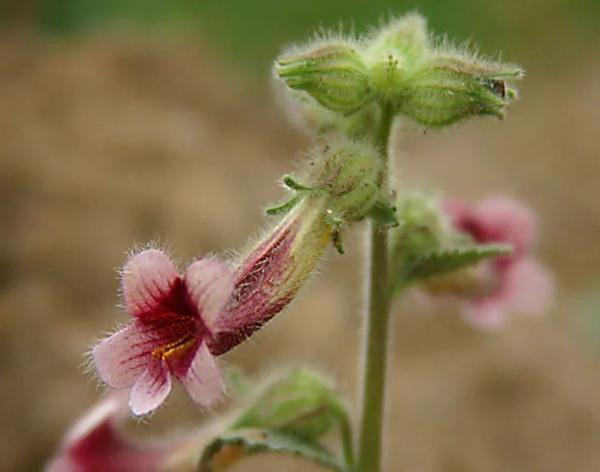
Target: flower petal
point(210, 283)
point(98, 424)
point(526, 288)
point(495, 220)
point(203, 379)
point(147, 280)
point(121, 358)
point(489, 313)
point(151, 389)
point(507, 221)
point(531, 287)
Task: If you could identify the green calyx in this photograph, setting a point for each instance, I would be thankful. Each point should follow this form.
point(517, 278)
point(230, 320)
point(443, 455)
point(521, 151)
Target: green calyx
point(400, 65)
point(345, 179)
point(446, 88)
point(349, 178)
point(333, 73)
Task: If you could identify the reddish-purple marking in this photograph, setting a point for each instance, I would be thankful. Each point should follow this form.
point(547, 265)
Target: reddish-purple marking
point(251, 303)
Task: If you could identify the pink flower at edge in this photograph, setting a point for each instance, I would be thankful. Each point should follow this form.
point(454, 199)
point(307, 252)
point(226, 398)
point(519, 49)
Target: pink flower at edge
point(521, 284)
point(96, 443)
point(173, 317)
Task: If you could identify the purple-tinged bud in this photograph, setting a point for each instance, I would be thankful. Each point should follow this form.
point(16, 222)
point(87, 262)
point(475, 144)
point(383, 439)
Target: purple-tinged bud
point(340, 188)
point(270, 275)
point(332, 72)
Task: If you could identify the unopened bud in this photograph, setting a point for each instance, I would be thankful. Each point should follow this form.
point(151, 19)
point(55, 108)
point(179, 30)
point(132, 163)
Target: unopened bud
point(394, 51)
point(406, 35)
point(340, 184)
point(447, 88)
point(422, 227)
point(349, 177)
point(333, 73)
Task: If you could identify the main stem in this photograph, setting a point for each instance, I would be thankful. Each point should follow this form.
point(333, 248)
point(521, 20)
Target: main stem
point(376, 341)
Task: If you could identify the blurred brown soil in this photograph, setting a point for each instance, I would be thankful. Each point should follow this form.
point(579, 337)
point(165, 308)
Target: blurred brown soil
point(108, 143)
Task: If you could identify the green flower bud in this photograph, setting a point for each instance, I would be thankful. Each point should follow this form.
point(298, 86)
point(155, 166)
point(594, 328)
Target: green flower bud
point(340, 184)
point(343, 178)
point(406, 35)
point(447, 88)
point(405, 39)
point(333, 73)
point(422, 228)
point(394, 51)
point(349, 177)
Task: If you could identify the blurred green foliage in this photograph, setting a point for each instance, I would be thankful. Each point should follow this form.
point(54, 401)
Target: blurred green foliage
point(253, 31)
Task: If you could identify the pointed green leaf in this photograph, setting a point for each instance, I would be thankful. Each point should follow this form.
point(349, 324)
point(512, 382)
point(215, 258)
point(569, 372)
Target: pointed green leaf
point(284, 207)
point(291, 183)
point(231, 448)
point(447, 260)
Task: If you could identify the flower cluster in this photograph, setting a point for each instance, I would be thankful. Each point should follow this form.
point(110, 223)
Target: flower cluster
point(431, 82)
point(181, 321)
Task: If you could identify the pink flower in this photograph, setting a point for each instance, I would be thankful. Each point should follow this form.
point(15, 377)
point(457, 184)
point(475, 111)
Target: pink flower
point(173, 318)
point(181, 322)
point(514, 283)
point(96, 444)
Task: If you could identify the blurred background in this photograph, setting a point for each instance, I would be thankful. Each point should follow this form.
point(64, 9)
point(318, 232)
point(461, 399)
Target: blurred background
point(124, 121)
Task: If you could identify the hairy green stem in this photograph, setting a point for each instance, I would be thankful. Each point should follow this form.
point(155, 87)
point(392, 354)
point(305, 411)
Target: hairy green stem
point(376, 341)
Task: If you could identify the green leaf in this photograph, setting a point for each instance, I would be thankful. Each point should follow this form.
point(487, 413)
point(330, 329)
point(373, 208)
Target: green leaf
point(288, 415)
point(447, 260)
point(231, 448)
point(302, 402)
point(291, 183)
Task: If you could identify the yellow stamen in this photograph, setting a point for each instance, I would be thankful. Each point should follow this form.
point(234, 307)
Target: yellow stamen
point(175, 348)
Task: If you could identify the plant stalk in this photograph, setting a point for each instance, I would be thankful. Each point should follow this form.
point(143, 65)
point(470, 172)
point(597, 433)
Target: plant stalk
point(376, 340)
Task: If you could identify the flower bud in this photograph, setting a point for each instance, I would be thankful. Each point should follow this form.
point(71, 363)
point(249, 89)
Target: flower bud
point(447, 88)
point(349, 177)
point(333, 73)
point(268, 278)
point(340, 187)
point(422, 227)
point(393, 51)
point(406, 35)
